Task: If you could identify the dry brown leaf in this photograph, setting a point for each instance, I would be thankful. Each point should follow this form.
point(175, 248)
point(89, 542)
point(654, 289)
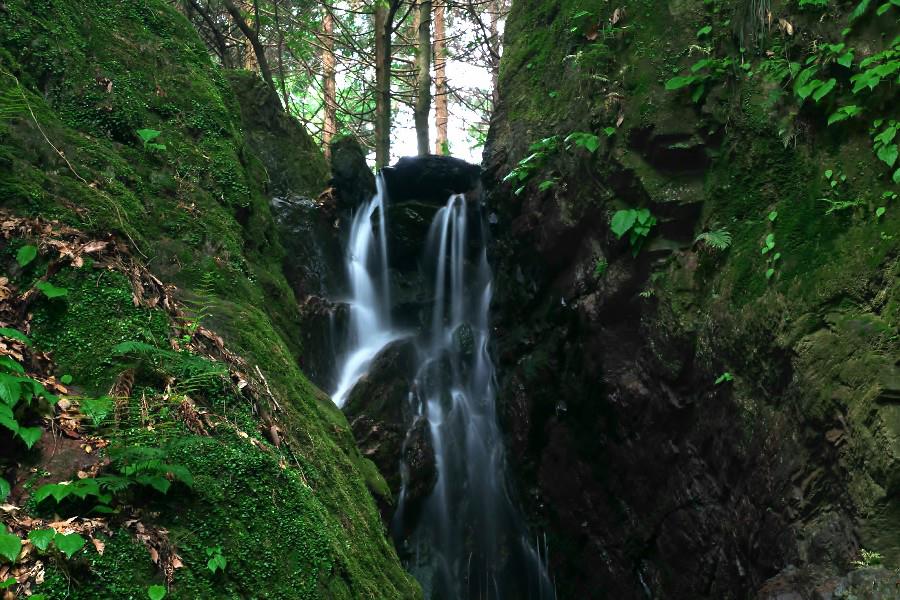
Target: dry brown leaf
point(786, 26)
point(99, 545)
point(617, 16)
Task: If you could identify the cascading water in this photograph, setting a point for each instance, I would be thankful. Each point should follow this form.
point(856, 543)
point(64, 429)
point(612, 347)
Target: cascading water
point(468, 541)
point(370, 303)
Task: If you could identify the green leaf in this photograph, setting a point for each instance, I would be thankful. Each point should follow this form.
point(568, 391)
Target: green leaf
point(97, 409)
point(804, 91)
point(676, 83)
point(8, 583)
point(824, 89)
point(4, 489)
point(704, 31)
point(42, 538)
point(769, 273)
point(148, 135)
point(10, 545)
point(622, 221)
point(773, 215)
point(156, 592)
point(609, 131)
point(65, 379)
point(897, 177)
point(860, 10)
point(726, 376)
point(69, 544)
point(50, 290)
point(888, 154)
point(16, 335)
point(883, 8)
point(30, 435)
point(846, 59)
point(11, 365)
point(25, 255)
point(10, 389)
point(879, 212)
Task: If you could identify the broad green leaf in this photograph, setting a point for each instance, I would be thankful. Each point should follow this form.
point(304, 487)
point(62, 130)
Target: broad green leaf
point(8, 583)
point(41, 538)
point(860, 10)
point(156, 592)
point(824, 89)
point(25, 255)
point(11, 365)
point(50, 290)
point(69, 544)
point(879, 212)
point(886, 136)
point(676, 83)
point(773, 215)
point(97, 409)
point(805, 91)
point(10, 545)
point(622, 221)
point(4, 489)
point(30, 435)
point(769, 273)
point(897, 176)
point(14, 334)
point(726, 376)
point(148, 135)
point(704, 31)
point(846, 59)
point(888, 154)
point(10, 389)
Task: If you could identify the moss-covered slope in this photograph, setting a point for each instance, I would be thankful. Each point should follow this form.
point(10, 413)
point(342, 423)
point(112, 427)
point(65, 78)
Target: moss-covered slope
point(285, 496)
point(703, 413)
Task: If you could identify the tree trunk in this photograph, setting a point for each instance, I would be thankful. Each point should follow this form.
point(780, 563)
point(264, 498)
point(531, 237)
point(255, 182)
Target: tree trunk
point(329, 125)
point(382, 86)
point(253, 39)
point(496, 11)
point(441, 113)
point(423, 78)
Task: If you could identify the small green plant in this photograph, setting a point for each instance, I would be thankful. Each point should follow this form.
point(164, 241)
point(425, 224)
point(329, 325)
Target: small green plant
point(637, 223)
point(723, 378)
point(867, 558)
point(815, 3)
point(719, 239)
point(19, 393)
point(884, 142)
point(10, 545)
point(704, 73)
point(68, 544)
point(156, 592)
point(588, 141)
point(50, 290)
point(25, 255)
point(216, 561)
point(844, 113)
point(147, 136)
point(4, 489)
point(600, 267)
point(526, 167)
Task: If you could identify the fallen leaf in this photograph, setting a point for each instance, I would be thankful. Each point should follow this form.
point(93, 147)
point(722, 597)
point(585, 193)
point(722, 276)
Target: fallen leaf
point(100, 546)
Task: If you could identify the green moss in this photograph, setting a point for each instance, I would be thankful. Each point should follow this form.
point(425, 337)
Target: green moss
point(79, 330)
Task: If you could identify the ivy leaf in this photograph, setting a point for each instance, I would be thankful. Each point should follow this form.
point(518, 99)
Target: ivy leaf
point(41, 538)
point(824, 89)
point(622, 221)
point(25, 255)
point(50, 290)
point(16, 335)
point(69, 544)
point(65, 379)
point(156, 592)
point(10, 545)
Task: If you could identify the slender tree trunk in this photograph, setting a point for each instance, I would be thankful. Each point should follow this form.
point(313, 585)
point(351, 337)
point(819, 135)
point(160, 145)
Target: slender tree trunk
point(282, 76)
point(423, 79)
point(382, 86)
point(441, 113)
point(329, 125)
point(253, 39)
point(496, 9)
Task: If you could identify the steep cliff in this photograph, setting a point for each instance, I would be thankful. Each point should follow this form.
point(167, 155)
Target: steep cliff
point(128, 163)
point(704, 406)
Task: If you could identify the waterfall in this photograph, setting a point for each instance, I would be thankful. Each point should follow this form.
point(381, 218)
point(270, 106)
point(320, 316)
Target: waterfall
point(468, 541)
point(370, 302)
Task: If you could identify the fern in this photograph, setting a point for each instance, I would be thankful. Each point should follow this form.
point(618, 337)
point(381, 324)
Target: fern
point(718, 240)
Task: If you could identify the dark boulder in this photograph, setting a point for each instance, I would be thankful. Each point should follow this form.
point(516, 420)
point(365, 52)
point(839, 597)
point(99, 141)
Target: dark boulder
point(378, 411)
point(352, 180)
point(430, 178)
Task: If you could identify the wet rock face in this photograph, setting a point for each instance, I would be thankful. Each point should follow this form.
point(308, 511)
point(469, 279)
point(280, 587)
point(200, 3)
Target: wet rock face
point(431, 179)
point(351, 178)
point(312, 261)
point(377, 409)
point(324, 331)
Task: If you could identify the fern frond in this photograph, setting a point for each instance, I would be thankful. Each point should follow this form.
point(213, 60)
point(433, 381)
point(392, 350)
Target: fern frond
point(719, 239)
